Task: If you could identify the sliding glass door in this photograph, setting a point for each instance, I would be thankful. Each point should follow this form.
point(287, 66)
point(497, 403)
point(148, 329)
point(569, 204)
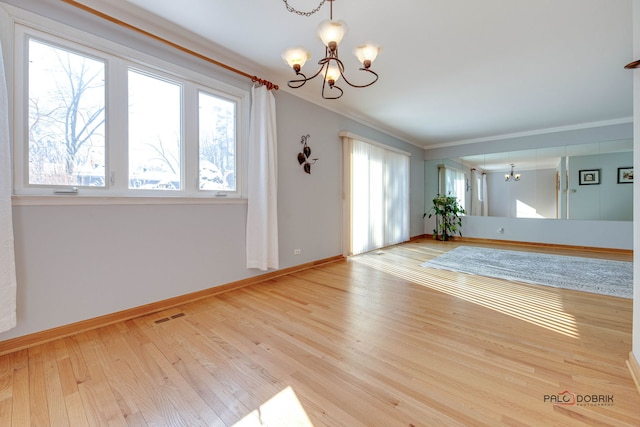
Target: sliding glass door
point(376, 196)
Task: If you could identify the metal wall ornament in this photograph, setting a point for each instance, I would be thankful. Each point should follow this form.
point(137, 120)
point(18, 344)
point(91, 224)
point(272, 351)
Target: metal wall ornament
point(303, 156)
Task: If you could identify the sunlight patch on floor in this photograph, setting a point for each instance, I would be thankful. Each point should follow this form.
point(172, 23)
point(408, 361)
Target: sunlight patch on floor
point(539, 307)
point(283, 409)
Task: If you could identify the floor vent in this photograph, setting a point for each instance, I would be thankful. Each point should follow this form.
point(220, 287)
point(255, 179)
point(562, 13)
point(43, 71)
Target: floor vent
point(166, 319)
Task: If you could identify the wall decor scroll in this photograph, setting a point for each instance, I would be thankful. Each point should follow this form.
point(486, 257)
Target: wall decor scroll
point(303, 156)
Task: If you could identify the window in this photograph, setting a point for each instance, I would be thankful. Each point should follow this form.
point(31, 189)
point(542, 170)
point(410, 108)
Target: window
point(155, 132)
point(109, 121)
point(217, 153)
point(452, 182)
point(66, 100)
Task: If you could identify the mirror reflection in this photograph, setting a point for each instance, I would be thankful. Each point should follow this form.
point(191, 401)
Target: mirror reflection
point(590, 181)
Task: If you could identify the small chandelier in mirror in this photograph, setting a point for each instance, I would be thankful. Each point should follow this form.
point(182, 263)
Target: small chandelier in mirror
point(511, 176)
point(331, 68)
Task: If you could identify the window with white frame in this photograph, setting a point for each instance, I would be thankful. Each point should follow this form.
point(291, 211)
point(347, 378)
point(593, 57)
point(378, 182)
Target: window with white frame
point(95, 121)
point(66, 105)
point(452, 182)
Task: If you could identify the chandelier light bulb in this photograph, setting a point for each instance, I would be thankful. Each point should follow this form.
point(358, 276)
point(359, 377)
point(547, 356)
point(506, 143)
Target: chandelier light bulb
point(296, 57)
point(367, 53)
point(332, 31)
point(331, 73)
point(511, 176)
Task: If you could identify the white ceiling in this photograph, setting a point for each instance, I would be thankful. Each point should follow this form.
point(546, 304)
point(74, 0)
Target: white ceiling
point(450, 71)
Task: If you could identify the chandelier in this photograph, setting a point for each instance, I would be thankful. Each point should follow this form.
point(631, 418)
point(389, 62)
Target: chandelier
point(331, 68)
point(511, 176)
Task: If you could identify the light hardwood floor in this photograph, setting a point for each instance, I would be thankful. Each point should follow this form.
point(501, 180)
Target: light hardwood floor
point(375, 341)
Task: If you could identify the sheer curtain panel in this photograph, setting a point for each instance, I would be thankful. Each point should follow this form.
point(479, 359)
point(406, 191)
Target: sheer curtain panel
point(451, 182)
point(7, 253)
point(262, 186)
point(485, 196)
point(476, 201)
point(378, 196)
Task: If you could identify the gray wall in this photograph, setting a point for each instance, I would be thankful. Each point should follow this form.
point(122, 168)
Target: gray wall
point(597, 234)
point(611, 200)
point(82, 261)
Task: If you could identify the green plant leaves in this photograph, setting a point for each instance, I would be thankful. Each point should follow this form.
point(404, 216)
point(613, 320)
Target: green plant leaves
point(448, 211)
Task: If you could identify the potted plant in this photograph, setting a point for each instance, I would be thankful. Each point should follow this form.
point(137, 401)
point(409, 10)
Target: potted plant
point(448, 214)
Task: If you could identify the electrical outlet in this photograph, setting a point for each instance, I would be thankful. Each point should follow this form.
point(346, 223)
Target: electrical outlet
point(297, 251)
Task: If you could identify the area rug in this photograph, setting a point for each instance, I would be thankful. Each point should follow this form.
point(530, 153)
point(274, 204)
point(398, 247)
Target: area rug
point(599, 276)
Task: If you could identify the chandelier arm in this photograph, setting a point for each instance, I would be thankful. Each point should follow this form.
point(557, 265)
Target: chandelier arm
point(297, 83)
point(324, 84)
point(361, 86)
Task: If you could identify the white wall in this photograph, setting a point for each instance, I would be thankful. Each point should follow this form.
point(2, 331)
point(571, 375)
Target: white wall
point(79, 262)
point(533, 194)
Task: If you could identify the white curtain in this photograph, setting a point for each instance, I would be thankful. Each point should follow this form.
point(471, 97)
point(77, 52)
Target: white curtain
point(451, 182)
point(262, 186)
point(7, 254)
point(485, 195)
point(379, 197)
point(476, 201)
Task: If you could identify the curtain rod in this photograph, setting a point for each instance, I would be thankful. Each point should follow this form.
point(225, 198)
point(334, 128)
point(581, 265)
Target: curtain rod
point(117, 21)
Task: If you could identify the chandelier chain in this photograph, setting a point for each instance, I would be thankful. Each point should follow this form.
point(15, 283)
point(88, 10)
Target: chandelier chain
point(301, 13)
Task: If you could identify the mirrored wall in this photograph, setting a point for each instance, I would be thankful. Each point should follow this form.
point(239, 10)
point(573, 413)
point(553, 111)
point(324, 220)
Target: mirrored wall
point(590, 181)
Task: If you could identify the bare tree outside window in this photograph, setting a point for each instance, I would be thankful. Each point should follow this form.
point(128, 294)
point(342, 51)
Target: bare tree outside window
point(217, 129)
point(155, 129)
point(98, 122)
point(66, 117)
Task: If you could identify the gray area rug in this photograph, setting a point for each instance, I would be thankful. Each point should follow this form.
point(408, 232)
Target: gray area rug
point(599, 276)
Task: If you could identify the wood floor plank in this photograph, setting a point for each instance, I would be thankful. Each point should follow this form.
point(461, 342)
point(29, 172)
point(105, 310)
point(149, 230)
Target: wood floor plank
point(280, 364)
point(7, 368)
point(20, 406)
point(100, 403)
point(57, 408)
point(149, 376)
point(122, 370)
point(38, 404)
point(375, 340)
point(195, 360)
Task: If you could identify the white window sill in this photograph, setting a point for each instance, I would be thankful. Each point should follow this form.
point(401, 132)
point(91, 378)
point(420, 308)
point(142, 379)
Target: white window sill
point(62, 200)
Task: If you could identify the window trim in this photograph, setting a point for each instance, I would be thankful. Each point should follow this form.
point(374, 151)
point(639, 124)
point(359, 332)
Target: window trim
point(118, 59)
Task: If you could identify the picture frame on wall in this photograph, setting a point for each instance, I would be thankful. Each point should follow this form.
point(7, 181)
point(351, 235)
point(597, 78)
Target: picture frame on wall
point(589, 177)
point(625, 175)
